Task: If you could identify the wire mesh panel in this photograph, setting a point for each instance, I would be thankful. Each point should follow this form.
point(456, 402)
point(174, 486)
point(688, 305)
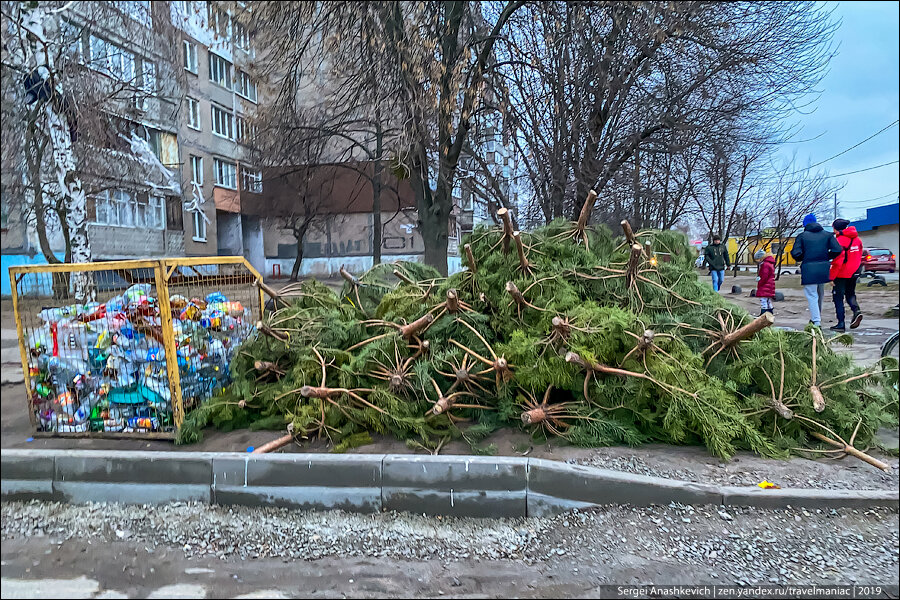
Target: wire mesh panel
point(214, 308)
point(122, 361)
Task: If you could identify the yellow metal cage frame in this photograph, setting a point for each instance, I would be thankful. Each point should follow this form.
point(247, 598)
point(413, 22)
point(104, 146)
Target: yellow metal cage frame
point(163, 271)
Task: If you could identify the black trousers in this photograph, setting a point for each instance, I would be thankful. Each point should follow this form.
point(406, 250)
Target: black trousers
point(844, 288)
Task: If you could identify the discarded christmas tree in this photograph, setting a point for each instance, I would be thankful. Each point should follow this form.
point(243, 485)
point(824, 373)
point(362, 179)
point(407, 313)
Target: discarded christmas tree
point(568, 332)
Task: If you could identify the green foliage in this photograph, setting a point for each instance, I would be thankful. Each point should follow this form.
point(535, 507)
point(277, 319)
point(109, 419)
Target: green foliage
point(579, 300)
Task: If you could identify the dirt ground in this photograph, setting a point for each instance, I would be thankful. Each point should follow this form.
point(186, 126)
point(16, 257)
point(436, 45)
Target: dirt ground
point(690, 463)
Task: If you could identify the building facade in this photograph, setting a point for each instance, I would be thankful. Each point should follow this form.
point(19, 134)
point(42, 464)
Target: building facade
point(127, 148)
point(169, 177)
point(881, 227)
point(216, 133)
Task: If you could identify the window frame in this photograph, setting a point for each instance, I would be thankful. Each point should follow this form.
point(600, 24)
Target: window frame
point(244, 131)
point(112, 64)
point(194, 106)
point(242, 37)
point(174, 208)
point(228, 74)
point(242, 78)
point(249, 174)
point(190, 51)
point(198, 226)
point(225, 117)
point(220, 167)
point(196, 169)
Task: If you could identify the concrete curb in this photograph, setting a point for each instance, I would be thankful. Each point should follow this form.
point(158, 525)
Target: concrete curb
point(472, 486)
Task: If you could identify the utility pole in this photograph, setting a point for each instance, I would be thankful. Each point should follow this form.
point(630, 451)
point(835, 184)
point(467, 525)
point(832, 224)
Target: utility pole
point(835, 207)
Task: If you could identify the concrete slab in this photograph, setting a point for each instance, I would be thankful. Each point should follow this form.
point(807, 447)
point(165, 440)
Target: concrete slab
point(145, 468)
point(491, 504)
point(350, 499)
point(502, 473)
point(331, 470)
point(79, 492)
point(23, 465)
point(9, 355)
point(27, 489)
point(472, 486)
point(602, 486)
point(809, 498)
point(541, 505)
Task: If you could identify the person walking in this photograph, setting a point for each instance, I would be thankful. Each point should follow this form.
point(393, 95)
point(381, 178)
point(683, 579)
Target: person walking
point(845, 273)
point(765, 281)
point(814, 249)
point(716, 258)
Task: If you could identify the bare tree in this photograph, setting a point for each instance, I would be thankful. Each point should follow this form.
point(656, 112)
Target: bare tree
point(594, 84)
point(791, 194)
point(430, 61)
point(62, 116)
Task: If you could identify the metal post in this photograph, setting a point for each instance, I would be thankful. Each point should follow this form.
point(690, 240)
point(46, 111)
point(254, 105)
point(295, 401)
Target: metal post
point(168, 333)
point(23, 354)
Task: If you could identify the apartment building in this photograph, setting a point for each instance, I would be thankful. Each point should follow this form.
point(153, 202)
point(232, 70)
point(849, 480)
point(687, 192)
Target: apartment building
point(481, 179)
point(127, 148)
point(215, 133)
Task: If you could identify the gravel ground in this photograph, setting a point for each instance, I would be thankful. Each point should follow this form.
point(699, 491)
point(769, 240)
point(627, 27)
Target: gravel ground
point(608, 544)
point(745, 470)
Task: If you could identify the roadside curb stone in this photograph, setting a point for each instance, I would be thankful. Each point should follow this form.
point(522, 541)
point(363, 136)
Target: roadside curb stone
point(465, 486)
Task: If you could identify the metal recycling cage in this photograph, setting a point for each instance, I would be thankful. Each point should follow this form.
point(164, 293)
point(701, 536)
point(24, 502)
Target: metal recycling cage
point(156, 341)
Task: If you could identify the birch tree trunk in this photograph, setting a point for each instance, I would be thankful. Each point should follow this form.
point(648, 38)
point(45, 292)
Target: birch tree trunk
point(31, 29)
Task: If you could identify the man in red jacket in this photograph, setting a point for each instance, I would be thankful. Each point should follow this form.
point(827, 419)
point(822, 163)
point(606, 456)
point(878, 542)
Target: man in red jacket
point(845, 272)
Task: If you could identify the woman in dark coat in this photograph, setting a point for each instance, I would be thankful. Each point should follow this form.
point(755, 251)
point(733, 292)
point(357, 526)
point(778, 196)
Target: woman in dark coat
point(813, 249)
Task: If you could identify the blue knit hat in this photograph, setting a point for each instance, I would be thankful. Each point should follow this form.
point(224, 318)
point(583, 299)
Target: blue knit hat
point(810, 218)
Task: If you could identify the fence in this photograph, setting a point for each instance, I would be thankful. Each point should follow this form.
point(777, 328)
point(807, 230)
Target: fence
point(155, 340)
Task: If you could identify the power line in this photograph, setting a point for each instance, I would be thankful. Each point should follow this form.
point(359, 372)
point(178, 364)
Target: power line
point(856, 145)
point(893, 162)
point(894, 193)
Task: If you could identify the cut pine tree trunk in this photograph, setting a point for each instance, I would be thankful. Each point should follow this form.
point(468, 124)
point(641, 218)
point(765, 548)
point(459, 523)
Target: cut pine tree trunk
point(748, 330)
point(507, 228)
point(629, 234)
point(274, 445)
point(852, 451)
point(470, 259)
point(585, 214)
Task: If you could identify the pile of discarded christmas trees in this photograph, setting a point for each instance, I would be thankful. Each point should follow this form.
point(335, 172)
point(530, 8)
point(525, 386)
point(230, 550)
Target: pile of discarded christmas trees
point(566, 332)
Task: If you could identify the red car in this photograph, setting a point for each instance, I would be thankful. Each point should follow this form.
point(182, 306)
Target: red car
point(879, 259)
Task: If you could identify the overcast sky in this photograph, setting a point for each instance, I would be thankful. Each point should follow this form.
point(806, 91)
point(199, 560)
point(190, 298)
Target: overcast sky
point(859, 97)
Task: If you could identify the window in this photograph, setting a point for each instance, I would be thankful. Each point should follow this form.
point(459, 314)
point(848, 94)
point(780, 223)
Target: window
point(219, 71)
point(199, 226)
point(246, 87)
point(226, 174)
point(467, 201)
point(241, 37)
point(246, 132)
point(251, 180)
point(71, 39)
point(197, 169)
point(150, 215)
point(148, 77)
point(190, 57)
point(193, 113)
point(122, 208)
point(219, 21)
point(108, 58)
point(139, 11)
point(222, 122)
point(174, 214)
